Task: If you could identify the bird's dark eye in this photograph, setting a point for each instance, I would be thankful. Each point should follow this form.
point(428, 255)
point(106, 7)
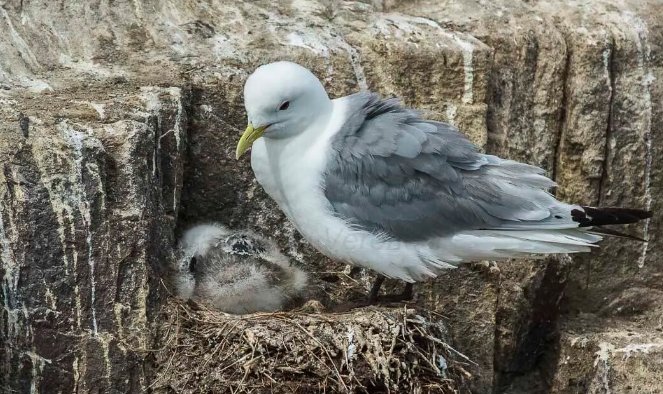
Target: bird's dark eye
point(284, 106)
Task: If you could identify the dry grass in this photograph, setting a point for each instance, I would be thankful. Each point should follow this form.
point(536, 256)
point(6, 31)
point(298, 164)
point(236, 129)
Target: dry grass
point(365, 350)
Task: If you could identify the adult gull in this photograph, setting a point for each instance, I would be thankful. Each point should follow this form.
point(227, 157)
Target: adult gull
point(370, 182)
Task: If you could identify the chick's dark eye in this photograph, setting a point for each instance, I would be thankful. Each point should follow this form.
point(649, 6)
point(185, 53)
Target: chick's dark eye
point(284, 106)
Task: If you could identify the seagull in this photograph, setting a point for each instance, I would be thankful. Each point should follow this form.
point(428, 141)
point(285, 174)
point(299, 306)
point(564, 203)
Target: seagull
point(372, 183)
point(234, 271)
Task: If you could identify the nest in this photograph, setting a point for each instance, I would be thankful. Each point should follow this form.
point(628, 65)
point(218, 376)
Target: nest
point(366, 350)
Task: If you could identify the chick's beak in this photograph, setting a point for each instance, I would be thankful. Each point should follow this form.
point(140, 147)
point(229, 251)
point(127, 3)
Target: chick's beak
point(250, 135)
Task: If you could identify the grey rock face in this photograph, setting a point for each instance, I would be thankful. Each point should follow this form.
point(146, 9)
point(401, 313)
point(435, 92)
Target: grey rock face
point(118, 124)
point(87, 215)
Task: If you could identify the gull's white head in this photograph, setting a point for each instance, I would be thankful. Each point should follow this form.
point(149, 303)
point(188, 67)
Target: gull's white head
point(282, 99)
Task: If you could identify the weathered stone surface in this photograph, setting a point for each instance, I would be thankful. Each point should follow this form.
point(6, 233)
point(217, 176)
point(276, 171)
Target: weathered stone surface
point(87, 189)
point(573, 88)
point(611, 358)
point(99, 174)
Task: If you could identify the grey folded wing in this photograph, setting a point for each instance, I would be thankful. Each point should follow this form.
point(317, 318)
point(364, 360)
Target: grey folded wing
point(394, 173)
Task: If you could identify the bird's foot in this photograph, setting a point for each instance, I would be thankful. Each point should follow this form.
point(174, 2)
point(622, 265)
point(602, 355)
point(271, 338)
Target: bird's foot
point(374, 297)
point(374, 294)
point(375, 290)
point(490, 267)
point(406, 295)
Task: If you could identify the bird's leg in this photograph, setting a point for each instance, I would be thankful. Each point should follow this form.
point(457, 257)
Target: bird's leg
point(372, 298)
point(375, 290)
point(408, 292)
point(406, 295)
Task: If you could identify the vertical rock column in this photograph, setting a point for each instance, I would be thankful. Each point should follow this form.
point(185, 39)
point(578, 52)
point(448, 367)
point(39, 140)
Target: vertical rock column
point(88, 196)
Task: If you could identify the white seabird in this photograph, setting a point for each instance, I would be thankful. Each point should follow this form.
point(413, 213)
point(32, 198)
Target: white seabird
point(234, 271)
point(369, 182)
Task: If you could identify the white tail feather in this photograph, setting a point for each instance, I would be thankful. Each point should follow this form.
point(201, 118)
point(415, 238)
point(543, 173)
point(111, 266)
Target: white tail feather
point(504, 244)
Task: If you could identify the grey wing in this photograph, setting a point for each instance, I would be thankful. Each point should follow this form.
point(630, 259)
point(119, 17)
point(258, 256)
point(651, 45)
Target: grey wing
point(397, 174)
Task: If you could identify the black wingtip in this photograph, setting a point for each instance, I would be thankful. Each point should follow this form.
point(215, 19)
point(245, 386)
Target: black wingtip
point(593, 216)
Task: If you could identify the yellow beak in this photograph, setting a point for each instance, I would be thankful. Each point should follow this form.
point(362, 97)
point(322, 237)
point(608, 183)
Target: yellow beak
point(247, 139)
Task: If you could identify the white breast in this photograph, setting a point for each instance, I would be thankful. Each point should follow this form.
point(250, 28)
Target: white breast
point(290, 171)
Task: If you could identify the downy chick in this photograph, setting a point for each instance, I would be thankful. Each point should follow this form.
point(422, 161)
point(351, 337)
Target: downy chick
point(235, 271)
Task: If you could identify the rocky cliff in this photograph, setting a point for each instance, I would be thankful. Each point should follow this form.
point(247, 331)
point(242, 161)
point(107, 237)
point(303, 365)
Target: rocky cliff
point(118, 122)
